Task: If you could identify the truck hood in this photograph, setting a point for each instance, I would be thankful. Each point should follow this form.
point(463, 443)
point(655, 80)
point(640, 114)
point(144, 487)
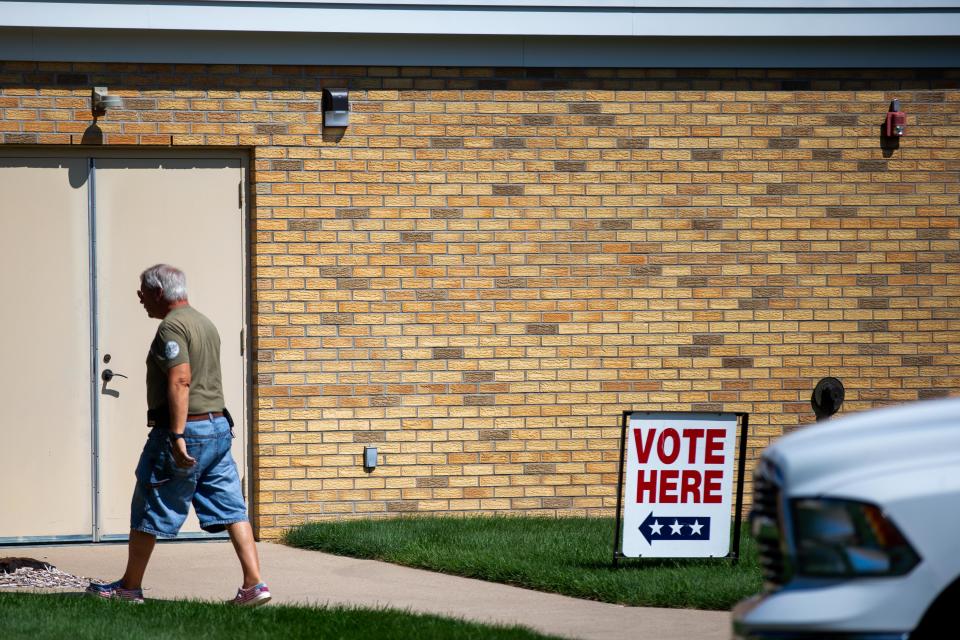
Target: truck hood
point(830, 455)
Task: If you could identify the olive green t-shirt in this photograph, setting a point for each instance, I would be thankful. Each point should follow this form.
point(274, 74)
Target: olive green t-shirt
point(186, 335)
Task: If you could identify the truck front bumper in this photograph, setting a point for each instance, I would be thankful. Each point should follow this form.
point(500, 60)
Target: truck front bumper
point(794, 615)
point(773, 635)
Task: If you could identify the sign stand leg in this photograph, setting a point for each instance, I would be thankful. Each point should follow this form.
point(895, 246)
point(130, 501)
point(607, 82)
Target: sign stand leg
point(616, 532)
point(741, 465)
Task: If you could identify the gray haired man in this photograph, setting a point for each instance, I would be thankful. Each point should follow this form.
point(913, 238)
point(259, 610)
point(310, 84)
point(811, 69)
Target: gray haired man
point(187, 456)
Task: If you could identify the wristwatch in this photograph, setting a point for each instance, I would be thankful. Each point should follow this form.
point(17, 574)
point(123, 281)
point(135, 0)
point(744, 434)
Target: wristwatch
point(176, 436)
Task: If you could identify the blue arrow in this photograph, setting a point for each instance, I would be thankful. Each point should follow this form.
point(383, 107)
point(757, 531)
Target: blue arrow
point(675, 528)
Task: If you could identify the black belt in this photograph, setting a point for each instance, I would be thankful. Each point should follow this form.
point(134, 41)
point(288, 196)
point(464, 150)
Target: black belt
point(198, 417)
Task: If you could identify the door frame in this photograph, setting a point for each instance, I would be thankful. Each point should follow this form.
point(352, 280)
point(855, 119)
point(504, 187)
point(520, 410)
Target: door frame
point(90, 154)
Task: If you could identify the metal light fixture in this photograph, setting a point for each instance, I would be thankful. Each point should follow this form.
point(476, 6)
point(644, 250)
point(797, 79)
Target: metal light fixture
point(100, 101)
point(336, 107)
point(369, 458)
point(827, 398)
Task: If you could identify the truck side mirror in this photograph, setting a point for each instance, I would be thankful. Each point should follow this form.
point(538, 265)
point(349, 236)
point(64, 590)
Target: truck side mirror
point(827, 397)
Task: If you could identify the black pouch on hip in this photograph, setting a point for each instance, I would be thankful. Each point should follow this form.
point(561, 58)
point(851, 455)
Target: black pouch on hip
point(158, 418)
point(226, 414)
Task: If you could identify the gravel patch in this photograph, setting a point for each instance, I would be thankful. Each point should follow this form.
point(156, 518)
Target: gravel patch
point(34, 574)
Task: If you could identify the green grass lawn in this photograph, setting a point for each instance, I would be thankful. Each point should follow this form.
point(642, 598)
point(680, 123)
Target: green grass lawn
point(571, 556)
point(72, 616)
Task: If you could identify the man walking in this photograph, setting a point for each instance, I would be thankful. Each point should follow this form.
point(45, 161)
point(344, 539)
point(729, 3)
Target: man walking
point(187, 456)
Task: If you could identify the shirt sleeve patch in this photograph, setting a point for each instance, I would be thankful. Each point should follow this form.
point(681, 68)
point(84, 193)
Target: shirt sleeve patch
point(171, 350)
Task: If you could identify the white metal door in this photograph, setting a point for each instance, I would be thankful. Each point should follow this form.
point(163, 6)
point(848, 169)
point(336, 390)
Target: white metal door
point(69, 441)
point(184, 212)
point(46, 489)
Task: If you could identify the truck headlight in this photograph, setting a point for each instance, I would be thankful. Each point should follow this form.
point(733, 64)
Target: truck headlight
point(844, 538)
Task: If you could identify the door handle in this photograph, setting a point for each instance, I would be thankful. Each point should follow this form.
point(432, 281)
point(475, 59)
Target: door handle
point(108, 375)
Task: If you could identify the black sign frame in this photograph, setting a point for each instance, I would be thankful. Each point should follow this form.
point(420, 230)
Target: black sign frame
point(743, 420)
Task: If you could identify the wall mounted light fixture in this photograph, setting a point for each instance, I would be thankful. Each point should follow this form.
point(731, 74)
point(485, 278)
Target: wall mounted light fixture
point(369, 458)
point(100, 101)
point(336, 107)
point(896, 120)
point(827, 398)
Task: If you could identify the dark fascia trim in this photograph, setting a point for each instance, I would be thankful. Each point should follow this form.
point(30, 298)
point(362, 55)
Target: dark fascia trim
point(222, 47)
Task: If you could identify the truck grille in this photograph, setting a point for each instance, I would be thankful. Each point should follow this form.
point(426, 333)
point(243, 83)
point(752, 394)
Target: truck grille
point(765, 520)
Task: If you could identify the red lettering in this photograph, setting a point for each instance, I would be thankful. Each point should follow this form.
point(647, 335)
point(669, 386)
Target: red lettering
point(692, 435)
point(711, 488)
point(678, 486)
point(690, 485)
point(674, 437)
point(644, 446)
point(646, 486)
point(668, 486)
point(687, 486)
point(714, 446)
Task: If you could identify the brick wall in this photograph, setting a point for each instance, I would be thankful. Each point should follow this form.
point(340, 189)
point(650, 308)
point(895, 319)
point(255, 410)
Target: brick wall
point(488, 265)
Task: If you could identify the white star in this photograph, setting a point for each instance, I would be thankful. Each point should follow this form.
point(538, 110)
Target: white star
point(695, 527)
point(655, 528)
point(675, 528)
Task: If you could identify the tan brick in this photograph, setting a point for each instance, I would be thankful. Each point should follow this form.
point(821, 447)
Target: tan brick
point(478, 282)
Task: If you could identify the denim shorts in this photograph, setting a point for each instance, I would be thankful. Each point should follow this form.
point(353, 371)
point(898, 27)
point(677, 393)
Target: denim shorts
point(164, 491)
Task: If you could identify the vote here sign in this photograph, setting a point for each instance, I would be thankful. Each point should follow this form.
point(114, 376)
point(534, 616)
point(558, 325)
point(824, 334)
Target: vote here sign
point(679, 484)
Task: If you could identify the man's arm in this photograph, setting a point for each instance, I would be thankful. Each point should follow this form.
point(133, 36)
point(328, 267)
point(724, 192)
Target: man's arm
point(178, 401)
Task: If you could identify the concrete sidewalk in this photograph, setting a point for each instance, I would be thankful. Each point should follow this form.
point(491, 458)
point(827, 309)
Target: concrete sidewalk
point(209, 571)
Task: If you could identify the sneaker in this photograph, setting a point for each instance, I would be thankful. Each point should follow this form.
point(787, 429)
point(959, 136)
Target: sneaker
point(116, 591)
point(253, 597)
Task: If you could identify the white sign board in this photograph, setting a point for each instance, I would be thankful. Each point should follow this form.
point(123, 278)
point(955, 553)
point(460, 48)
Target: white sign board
point(679, 484)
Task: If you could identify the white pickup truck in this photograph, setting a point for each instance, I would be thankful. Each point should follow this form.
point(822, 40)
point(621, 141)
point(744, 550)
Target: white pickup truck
point(858, 524)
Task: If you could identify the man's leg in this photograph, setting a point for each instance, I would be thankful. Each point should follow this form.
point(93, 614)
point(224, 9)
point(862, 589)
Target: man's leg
point(241, 535)
point(138, 555)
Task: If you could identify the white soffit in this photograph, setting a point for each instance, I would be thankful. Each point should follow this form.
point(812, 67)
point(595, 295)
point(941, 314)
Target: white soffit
point(636, 18)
